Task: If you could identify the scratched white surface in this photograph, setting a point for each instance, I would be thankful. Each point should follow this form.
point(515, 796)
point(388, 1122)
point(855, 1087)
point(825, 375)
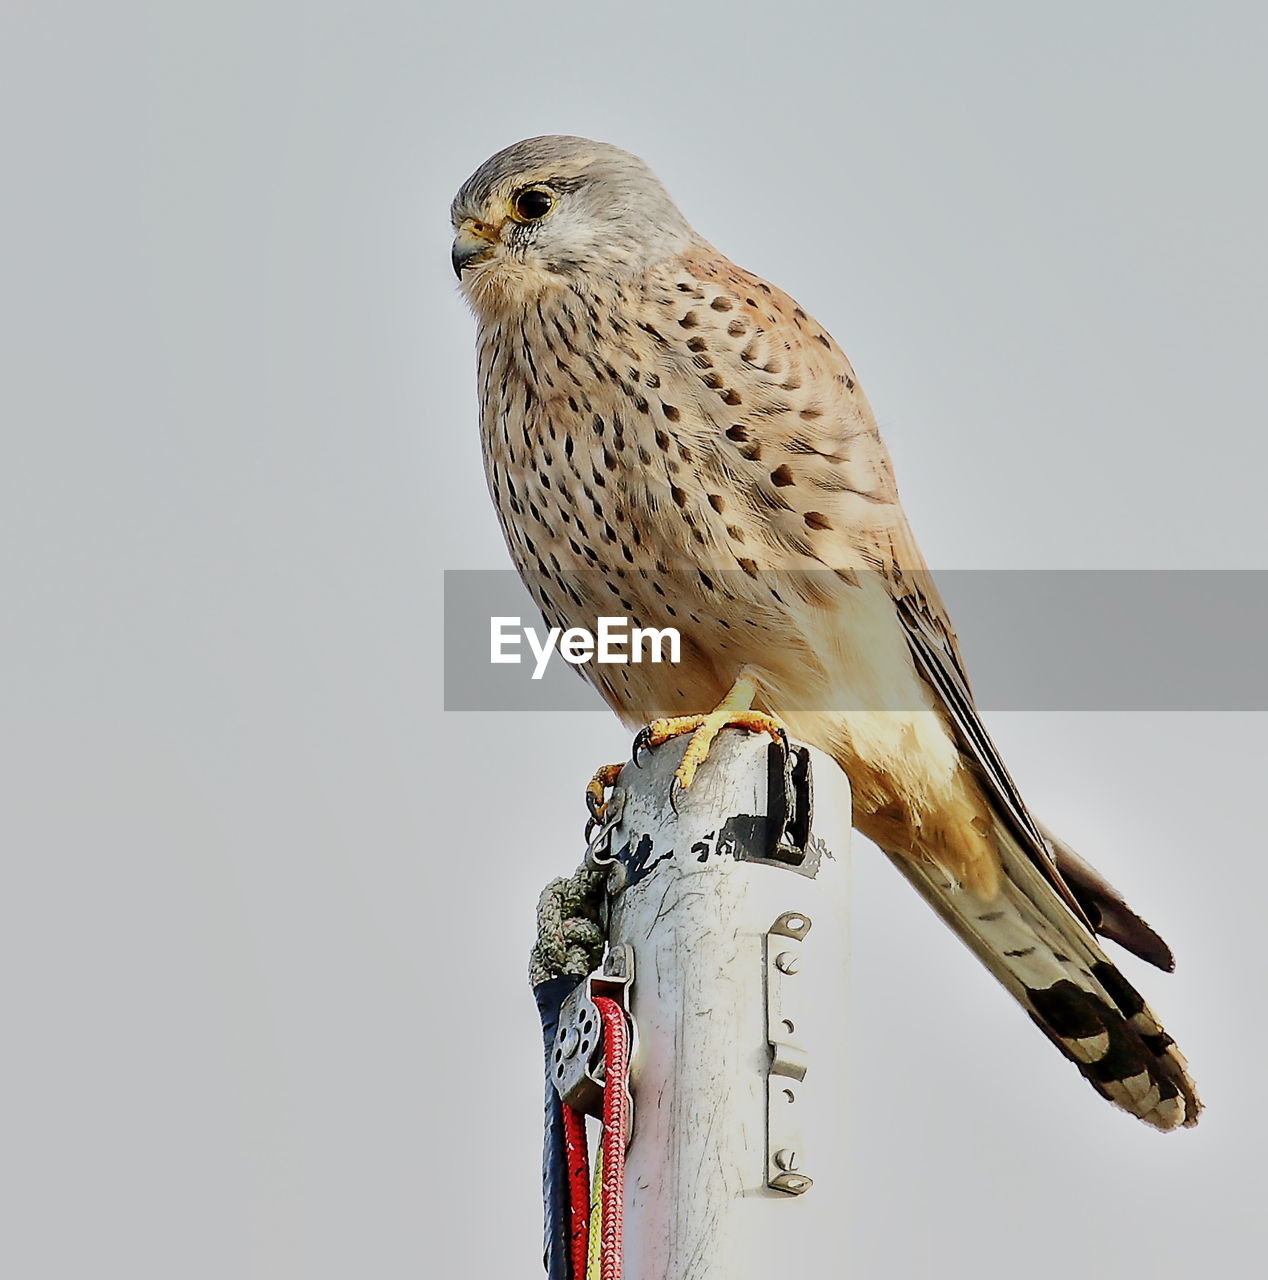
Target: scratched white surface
point(698, 1204)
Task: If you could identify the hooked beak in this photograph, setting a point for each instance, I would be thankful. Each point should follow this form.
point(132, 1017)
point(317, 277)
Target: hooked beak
point(473, 243)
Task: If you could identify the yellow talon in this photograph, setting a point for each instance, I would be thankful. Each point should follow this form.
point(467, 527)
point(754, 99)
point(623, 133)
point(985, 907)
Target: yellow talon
point(596, 789)
point(709, 728)
point(735, 711)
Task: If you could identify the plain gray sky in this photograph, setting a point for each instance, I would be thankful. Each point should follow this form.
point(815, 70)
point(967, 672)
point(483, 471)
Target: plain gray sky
point(266, 909)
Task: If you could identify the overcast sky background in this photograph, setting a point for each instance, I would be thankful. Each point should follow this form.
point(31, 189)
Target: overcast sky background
point(266, 908)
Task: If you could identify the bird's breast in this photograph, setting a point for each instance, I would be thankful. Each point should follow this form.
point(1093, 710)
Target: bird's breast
point(636, 457)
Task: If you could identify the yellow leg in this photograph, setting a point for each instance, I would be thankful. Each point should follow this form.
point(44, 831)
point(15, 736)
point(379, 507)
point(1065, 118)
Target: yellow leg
point(596, 789)
point(734, 711)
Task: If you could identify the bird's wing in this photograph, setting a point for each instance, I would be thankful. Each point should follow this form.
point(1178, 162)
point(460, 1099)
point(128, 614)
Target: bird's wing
point(801, 402)
point(937, 655)
point(936, 652)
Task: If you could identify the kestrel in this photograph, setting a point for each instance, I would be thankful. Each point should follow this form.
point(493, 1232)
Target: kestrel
point(668, 435)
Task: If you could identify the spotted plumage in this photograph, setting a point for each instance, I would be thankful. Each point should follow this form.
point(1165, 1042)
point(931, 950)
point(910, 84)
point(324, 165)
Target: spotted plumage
point(673, 439)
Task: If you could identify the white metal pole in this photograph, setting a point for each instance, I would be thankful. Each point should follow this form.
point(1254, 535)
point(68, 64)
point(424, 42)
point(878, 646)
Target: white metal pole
point(739, 1003)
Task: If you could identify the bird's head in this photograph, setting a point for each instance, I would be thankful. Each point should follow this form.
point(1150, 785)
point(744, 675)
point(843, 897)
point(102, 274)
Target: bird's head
point(549, 212)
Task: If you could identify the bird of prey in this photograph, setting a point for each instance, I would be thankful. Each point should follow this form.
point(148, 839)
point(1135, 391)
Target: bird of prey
point(665, 431)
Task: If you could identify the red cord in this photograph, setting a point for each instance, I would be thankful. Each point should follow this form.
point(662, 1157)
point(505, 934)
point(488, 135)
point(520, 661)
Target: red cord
point(578, 1157)
point(616, 1063)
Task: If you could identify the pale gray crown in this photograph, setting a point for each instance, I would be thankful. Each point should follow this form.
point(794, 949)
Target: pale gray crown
point(612, 209)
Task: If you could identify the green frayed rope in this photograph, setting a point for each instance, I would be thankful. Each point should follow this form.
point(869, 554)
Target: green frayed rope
point(569, 937)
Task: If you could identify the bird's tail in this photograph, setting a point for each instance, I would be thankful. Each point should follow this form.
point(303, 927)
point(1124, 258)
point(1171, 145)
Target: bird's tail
point(1030, 940)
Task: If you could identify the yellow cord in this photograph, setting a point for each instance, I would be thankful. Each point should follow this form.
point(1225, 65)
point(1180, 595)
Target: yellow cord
point(593, 1260)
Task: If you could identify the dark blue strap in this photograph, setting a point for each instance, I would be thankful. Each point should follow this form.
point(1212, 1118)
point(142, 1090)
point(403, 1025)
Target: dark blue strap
point(550, 996)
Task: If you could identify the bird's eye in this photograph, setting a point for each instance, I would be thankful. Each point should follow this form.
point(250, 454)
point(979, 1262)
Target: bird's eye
point(532, 204)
